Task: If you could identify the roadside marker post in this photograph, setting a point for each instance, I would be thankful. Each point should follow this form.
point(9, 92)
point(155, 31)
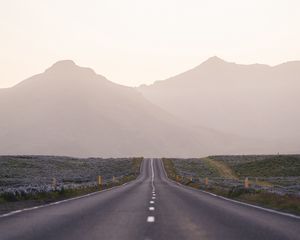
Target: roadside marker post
point(246, 183)
point(100, 181)
point(206, 181)
point(54, 183)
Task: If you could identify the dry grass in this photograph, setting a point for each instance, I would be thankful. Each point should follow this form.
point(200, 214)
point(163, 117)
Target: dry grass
point(224, 170)
point(231, 185)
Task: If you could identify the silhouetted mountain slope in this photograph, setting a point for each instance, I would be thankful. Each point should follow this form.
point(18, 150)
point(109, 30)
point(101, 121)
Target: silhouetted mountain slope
point(254, 101)
point(70, 110)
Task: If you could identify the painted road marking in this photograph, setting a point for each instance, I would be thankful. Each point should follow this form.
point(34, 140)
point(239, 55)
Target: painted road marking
point(62, 201)
point(150, 219)
point(227, 199)
point(69, 199)
point(152, 176)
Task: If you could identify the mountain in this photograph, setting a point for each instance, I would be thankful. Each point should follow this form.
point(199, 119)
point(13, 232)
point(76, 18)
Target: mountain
point(70, 110)
point(253, 101)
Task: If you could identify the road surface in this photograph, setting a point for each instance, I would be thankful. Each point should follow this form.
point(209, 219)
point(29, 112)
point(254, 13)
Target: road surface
point(151, 207)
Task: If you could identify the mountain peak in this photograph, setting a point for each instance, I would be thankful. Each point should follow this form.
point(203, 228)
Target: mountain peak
point(63, 64)
point(214, 59)
point(68, 67)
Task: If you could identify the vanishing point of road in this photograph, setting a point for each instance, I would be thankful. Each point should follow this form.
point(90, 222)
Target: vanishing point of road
point(151, 207)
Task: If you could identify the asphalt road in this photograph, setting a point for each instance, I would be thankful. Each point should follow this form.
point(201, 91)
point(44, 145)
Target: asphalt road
point(151, 207)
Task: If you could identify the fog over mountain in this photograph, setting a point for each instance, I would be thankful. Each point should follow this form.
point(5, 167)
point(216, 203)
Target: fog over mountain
point(70, 110)
point(215, 108)
point(252, 101)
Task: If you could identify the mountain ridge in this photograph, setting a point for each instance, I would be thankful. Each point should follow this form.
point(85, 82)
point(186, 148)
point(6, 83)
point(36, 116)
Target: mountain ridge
point(253, 101)
point(216, 61)
point(70, 110)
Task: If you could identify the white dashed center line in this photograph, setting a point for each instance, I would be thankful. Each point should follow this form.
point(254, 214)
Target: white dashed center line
point(152, 177)
point(150, 219)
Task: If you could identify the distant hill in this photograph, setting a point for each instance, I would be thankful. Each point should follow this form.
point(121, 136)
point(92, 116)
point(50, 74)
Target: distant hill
point(252, 101)
point(70, 110)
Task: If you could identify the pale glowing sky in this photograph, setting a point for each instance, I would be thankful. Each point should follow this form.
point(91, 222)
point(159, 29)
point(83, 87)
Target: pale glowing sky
point(139, 41)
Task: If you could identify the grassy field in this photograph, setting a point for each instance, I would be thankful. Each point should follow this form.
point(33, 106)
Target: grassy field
point(26, 181)
point(274, 166)
point(274, 180)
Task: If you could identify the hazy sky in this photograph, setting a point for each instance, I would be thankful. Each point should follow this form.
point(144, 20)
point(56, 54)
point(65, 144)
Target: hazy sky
point(139, 41)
